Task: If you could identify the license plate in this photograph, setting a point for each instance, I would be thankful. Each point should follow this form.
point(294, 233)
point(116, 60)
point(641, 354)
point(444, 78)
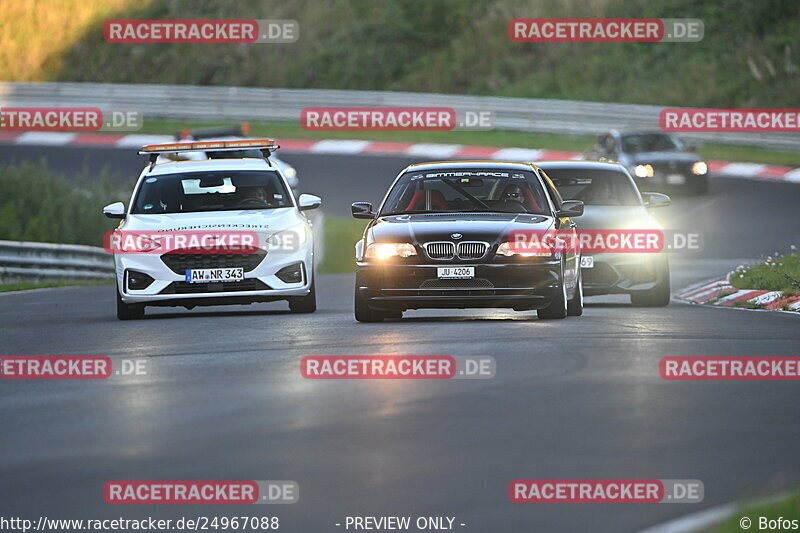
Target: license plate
point(587, 261)
point(455, 272)
point(206, 275)
point(676, 179)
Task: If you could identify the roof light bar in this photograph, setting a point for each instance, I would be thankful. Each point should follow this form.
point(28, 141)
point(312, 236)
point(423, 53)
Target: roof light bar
point(209, 146)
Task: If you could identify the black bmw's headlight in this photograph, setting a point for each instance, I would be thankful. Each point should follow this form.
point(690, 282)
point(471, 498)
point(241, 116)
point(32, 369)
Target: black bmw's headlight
point(644, 171)
point(506, 249)
point(387, 250)
point(700, 168)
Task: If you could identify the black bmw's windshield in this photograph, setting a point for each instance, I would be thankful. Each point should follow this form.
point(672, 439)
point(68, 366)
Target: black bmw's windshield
point(211, 191)
point(636, 143)
point(458, 191)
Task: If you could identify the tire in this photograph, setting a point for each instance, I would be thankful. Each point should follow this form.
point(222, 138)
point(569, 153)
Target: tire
point(363, 311)
point(575, 304)
point(307, 303)
point(128, 311)
point(658, 296)
point(558, 307)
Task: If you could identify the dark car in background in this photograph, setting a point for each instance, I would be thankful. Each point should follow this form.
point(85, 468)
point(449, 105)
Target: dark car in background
point(440, 239)
point(613, 202)
point(657, 160)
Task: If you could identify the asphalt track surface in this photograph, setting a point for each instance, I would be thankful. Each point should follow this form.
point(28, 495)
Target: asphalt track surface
point(579, 398)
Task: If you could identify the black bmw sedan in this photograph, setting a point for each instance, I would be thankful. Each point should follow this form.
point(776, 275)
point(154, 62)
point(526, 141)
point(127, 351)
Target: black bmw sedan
point(442, 236)
point(657, 160)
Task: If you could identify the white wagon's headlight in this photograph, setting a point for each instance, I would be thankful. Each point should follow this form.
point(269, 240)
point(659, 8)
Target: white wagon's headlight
point(288, 240)
point(387, 250)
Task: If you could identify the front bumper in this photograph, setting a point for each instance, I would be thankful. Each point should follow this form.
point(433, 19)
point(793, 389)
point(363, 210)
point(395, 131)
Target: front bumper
point(169, 288)
point(623, 273)
point(668, 179)
point(417, 286)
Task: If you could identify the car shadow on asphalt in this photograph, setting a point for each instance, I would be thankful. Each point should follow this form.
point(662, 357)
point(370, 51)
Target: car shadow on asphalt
point(419, 319)
point(216, 314)
point(609, 305)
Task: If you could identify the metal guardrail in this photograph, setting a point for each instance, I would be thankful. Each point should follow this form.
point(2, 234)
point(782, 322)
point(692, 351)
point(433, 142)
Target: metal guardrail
point(37, 261)
point(245, 103)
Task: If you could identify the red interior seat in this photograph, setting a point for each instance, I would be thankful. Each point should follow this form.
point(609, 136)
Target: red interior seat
point(418, 200)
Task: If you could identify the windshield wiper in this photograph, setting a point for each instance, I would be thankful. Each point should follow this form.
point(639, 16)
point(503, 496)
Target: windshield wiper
point(414, 212)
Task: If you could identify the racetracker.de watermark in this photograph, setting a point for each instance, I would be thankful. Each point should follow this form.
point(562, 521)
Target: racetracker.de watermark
point(75, 119)
point(69, 367)
point(730, 120)
point(397, 367)
point(605, 30)
point(730, 368)
point(192, 523)
point(124, 242)
point(602, 241)
point(214, 31)
point(201, 492)
point(395, 119)
point(198, 242)
point(606, 491)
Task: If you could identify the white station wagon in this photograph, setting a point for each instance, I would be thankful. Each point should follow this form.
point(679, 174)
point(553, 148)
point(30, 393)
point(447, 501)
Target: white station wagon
point(214, 198)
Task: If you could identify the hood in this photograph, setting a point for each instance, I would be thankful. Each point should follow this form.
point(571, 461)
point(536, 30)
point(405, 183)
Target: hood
point(616, 217)
point(258, 220)
point(664, 157)
point(487, 227)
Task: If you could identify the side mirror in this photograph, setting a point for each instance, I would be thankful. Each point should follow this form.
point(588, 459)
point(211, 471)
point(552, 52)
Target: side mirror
point(362, 210)
point(308, 201)
point(115, 210)
point(656, 199)
point(690, 147)
point(570, 208)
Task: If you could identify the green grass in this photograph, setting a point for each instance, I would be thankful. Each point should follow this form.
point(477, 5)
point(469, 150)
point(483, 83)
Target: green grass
point(748, 57)
point(747, 305)
point(786, 508)
point(39, 205)
point(293, 130)
point(781, 273)
point(341, 235)
point(38, 34)
point(718, 297)
point(28, 285)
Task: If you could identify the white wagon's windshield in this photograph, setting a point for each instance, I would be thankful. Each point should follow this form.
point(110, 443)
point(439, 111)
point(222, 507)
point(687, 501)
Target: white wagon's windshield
point(211, 191)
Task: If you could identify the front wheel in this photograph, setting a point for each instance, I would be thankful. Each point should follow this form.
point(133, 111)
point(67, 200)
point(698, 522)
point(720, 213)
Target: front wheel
point(699, 186)
point(575, 304)
point(558, 307)
point(128, 311)
point(363, 311)
point(307, 303)
point(658, 296)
